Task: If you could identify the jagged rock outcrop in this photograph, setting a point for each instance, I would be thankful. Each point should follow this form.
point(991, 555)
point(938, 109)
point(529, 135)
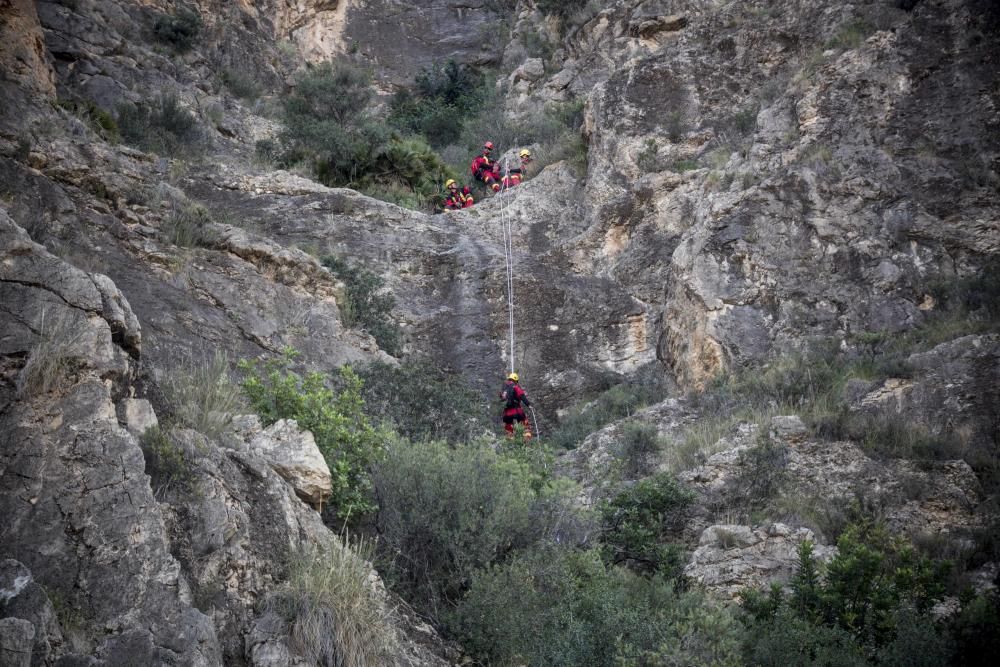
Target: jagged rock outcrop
point(738, 152)
point(294, 455)
point(80, 514)
point(731, 558)
point(164, 569)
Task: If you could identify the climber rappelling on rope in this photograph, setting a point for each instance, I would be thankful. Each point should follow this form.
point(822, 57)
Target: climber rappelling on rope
point(513, 412)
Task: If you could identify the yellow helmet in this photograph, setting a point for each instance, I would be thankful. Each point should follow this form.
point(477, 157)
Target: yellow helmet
point(512, 376)
point(450, 182)
point(525, 152)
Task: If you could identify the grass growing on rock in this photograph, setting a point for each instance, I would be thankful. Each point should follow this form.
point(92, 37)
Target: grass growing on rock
point(334, 612)
point(51, 357)
point(202, 396)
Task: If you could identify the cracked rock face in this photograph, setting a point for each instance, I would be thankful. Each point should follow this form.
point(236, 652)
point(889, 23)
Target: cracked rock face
point(80, 513)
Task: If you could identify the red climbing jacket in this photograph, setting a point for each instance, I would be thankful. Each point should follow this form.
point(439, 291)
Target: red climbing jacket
point(484, 169)
point(513, 412)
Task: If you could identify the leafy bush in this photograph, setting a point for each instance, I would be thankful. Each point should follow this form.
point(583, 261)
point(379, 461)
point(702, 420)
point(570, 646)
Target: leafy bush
point(444, 96)
point(335, 614)
point(180, 30)
point(560, 606)
point(50, 359)
point(327, 125)
point(636, 523)
point(202, 396)
point(444, 512)
point(241, 83)
point(99, 120)
point(365, 304)
point(854, 609)
point(161, 127)
point(636, 444)
point(761, 471)
point(421, 402)
point(348, 442)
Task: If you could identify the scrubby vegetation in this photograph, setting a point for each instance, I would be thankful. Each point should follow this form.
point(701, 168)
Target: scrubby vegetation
point(421, 402)
point(162, 126)
point(366, 305)
point(201, 395)
point(334, 613)
point(621, 400)
point(343, 434)
point(179, 30)
point(870, 605)
point(50, 360)
point(329, 128)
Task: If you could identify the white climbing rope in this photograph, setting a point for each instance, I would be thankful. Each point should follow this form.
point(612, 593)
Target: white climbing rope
point(506, 222)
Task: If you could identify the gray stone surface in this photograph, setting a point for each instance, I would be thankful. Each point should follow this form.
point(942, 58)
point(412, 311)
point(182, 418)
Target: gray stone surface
point(16, 639)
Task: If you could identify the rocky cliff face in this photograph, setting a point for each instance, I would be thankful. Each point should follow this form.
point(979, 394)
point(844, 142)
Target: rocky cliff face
point(762, 178)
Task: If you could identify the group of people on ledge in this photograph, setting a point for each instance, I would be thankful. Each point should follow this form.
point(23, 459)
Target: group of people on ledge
point(484, 168)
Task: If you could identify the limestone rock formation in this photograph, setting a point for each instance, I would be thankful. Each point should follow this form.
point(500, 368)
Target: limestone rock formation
point(731, 558)
point(294, 455)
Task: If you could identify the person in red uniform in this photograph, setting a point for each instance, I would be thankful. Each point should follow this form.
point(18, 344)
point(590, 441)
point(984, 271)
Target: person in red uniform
point(454, 198)
point(484, 169)
point(513, 412)
point(518, 173)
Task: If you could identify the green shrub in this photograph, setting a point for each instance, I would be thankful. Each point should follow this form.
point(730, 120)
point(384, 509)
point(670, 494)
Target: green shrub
point(348, 442)
point(180, 30)
point(161, 127)
point(976, 630)
point(201, 395)
point(445, 512)
point(365, 304)
point(328, 126)
point(335, 614)
point(422, 402)
point(443, 97)
point(853, 609)
point(637, 522)
point(761, 471)
point(851, 35)
point(647, 160)
point(241, 83)
point(560, 606)
point(99, 120)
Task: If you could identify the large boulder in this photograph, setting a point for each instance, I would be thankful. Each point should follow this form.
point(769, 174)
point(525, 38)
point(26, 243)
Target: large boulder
point(294, 455)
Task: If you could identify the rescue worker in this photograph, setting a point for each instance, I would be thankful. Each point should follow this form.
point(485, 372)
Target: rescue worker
point(484, 169)
point(513, 412)
point(517, 174)
point(455, 198)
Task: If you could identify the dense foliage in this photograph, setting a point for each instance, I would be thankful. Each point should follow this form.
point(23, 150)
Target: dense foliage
point(637, 522)
point(860, 609)
point(343, 434)
point(446, 511)
point(328, 126)
point(563, 606)
point(421, 402)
